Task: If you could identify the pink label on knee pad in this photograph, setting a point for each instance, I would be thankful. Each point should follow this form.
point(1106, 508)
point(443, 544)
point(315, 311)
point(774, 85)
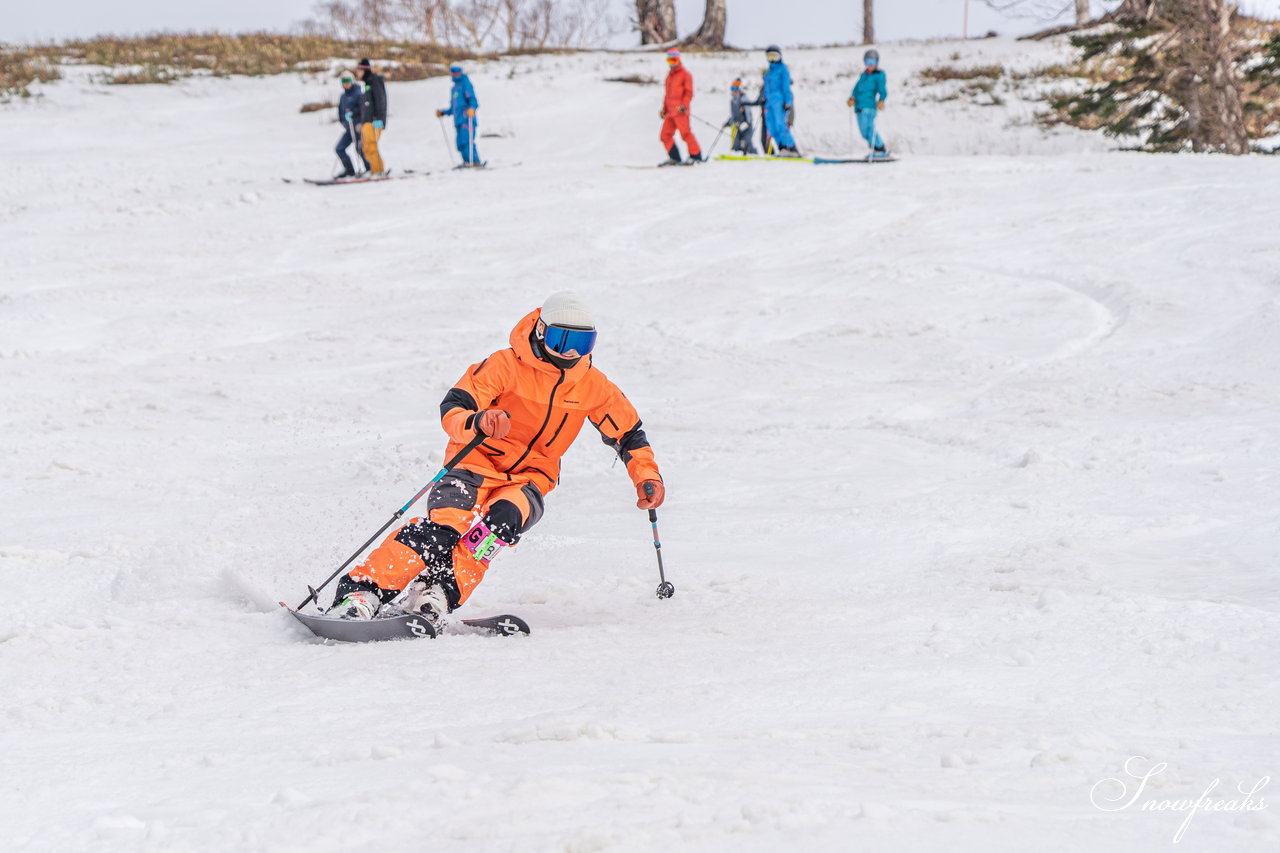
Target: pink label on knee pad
point(482, 542)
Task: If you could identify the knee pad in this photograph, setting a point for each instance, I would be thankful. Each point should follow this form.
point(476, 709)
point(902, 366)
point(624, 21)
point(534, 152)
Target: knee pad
point(499, 528)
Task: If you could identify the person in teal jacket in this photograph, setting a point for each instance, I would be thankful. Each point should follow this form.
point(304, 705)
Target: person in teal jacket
point(778, 106)
point(462, 106)
point(867, 99)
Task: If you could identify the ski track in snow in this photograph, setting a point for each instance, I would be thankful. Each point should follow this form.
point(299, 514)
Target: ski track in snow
point(971, 465)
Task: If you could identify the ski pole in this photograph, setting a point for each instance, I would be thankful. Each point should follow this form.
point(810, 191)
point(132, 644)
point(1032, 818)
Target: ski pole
point(445, 134)
point(665, 588)
point(712, 149)
point(448, 466)
point(853, 140)
point(704, 121)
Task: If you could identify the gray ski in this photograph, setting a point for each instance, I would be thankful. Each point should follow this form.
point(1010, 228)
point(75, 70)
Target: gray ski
point(401, 626)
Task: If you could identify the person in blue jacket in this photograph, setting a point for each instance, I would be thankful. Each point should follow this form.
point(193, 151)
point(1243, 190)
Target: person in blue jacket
point(462, 106)
point(778, 106)
point(348, 116)
point(867, 99)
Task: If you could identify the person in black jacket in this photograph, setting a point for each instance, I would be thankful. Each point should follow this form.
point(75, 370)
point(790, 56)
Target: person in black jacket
point(373, 115)
point(349, 113)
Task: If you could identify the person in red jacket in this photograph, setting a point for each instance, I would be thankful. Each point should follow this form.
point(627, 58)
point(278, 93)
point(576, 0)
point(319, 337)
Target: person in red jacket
point(529, 402)
point(675, 112)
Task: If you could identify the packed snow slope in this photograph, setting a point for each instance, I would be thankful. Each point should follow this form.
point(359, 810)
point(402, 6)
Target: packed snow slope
point(971, 460)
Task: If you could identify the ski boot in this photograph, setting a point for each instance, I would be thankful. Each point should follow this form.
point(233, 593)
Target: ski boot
point(427, 599)
point(357, 604)
point(695, 159)
point(879, 153)
point(673, 157)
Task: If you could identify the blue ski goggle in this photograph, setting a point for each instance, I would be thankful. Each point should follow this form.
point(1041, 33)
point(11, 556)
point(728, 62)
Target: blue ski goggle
point(870, 62)
point(562, 340)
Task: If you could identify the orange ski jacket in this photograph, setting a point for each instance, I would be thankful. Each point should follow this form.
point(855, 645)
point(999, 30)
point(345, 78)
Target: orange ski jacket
point(679, 90)
point(548, 407)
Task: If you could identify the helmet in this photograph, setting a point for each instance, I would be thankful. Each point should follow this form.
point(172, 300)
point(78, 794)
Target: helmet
point(736, 85)
point(455, 68)
point(673, 56)
point(347, 77)
point(871, 57)
point(774, 53)
point(570, 330)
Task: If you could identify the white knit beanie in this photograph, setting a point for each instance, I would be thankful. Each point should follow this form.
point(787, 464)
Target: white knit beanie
point(566, 308)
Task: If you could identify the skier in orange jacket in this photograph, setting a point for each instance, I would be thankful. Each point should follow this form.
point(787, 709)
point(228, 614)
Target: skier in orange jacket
point(529, 401)
point(675, 112)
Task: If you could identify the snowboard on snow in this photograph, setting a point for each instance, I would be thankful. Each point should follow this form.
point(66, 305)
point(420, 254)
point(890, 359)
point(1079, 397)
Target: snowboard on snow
point(402, 626)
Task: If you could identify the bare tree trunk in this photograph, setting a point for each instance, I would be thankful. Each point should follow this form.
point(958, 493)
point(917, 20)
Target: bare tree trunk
point(1082, 12)
point(868, 21)
point(1224, 85)
point(656, 20)
point(711, 34)
point(1204, 73)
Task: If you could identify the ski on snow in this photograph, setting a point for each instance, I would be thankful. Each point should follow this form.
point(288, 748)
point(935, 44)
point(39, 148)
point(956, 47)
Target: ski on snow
point(655, 166)
point(868, 159)
point(818, 160)
point(403, 626)
point(359, 179)
point(486, 166)
point(765, 157)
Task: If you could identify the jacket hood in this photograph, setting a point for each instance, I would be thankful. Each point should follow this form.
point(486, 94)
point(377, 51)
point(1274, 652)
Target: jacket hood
point(521, 341)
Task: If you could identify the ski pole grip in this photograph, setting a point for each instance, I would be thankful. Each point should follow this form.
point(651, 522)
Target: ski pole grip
point(648, 493)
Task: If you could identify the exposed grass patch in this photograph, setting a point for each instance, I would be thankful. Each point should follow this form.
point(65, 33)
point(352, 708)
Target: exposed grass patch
point(19, 68)
point(407, 71)
point(166, 57)
point(939, 73)
point(316, 107)
point(637, 79)
point(251, 54)
point(144, 75)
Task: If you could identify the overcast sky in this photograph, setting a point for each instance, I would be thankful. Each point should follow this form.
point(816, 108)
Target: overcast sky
point(750, 22)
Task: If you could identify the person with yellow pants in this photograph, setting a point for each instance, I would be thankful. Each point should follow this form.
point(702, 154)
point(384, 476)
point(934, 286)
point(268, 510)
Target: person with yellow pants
point(528, 401)
point(373, 115)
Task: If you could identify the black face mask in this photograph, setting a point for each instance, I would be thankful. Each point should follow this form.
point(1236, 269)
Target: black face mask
point(548, 356)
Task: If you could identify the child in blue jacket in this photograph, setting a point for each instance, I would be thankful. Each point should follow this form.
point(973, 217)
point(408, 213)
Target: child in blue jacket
point(740, 119)
point(868, 98)
point(349, 117)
